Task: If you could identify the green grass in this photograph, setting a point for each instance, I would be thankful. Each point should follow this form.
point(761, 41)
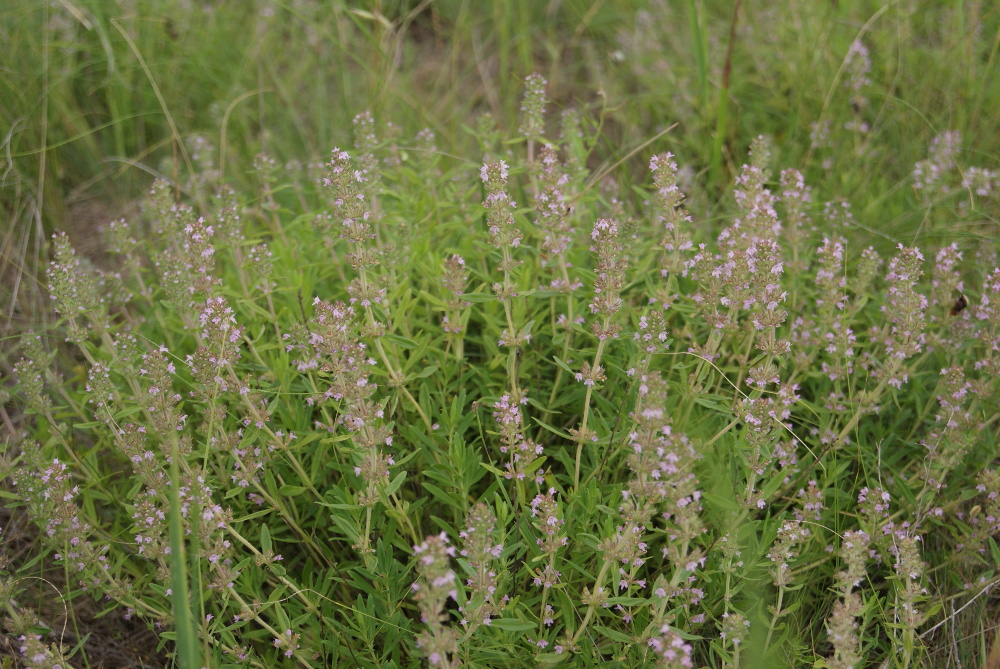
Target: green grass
point(98, 99)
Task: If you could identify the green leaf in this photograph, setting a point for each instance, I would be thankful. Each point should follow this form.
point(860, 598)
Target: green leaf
point(478, 297)
point(551, 659)
point(401, 341)
point(396, 483)
point(291, 490)
point(995, 552)
point(424, 373)
point(566, 368)
point(188, 646)
point(440, 495)
point(553, 430)
point(255, 514)
point(614, 635)
point(710, 404)
point(343, 507)
point(491, 468)
point(265, 539)
point(512, 625)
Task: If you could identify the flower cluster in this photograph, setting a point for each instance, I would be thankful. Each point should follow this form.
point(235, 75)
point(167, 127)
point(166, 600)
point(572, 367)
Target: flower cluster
point(610, 270)
point(662, 465)
point(782, 552)
point(909, 569)
point(987, 312)
point(454, 278)
point(50, 493)
point(521, 451)
point(30, 373)
point(436, 583)
point(481, 554)
point(671, 213)
point(228, 218)
point(77, 290)
point(503, 231)
point(934, 175)
point(259, 266)
point(842, 631)
point(288, 643)
point(981, 181)
point(858, 65)
point(746, 276)
point(671, 650)
point(796, 197)
point(734, 627)
point(548, 523)
point(332, 346)
point(39, 655)
point(955, 429)
point(553, 220)
point(351, 207)
point(651, 333)
point(533, 107)
point(874, 503)
point(366, 141)
point(221, 336)
point(903, 336)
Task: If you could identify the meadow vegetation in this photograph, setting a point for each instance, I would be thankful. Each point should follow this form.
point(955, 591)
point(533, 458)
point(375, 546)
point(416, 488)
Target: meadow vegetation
point(624, 334)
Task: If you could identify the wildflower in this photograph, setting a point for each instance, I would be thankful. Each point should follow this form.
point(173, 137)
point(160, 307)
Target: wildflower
point(651, 334)
point(482, 553)
point(259, 267)
point(866, 271)
point(782, 553)
point(228, 220)
point(796, 197)
point(454, 278)
point(288, 643)
point(365, 142)
point(671, 650)
point(30, 372)
point(981, 181)
point(610, 272)
point(934, 174)
point(671, 213)
point(553, 221)
point(435, 585)
point(39, 655)
point(77, 291)
point(734, 627)
point(903, 336)
point(842, 631)
point(503, 232)
point(533, 107)
point(857, 65)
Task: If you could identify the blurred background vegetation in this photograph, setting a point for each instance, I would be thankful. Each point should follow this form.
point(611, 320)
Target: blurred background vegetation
point(97, 96)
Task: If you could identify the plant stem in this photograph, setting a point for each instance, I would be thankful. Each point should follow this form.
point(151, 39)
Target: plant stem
point(586, 405)
point(591, 607)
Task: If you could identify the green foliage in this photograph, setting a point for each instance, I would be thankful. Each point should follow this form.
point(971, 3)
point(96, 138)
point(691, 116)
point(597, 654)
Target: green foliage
point(481, 399)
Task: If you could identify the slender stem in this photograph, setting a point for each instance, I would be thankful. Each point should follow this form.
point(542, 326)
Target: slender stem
point(851, 424)
point(586, 405)
point(598, 584)
point(396, 377)
point(260, 621)
point(366, 542)
point(281, 578)
point(777, 614)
